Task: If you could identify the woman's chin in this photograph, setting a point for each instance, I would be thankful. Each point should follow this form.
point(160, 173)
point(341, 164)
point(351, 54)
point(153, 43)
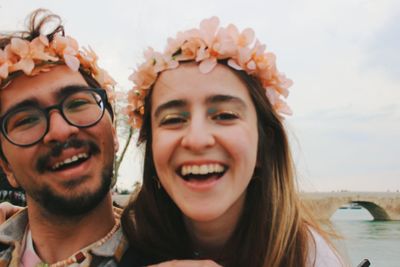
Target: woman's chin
point(202, 215)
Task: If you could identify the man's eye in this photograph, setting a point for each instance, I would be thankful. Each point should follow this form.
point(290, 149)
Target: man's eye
point(225, 116)
point(172, 120)
point(77, 103)
point(24, 122)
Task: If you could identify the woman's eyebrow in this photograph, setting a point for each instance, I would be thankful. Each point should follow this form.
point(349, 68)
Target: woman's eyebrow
point(169, 105)
point(216, 99)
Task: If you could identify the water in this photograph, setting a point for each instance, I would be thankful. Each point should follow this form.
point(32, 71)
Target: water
point(365, 238)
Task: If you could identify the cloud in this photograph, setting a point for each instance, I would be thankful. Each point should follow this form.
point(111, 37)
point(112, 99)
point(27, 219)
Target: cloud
point(341, 149)
point(383, 49)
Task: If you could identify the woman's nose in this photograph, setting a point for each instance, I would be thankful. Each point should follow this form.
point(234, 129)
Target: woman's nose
point(198, 135)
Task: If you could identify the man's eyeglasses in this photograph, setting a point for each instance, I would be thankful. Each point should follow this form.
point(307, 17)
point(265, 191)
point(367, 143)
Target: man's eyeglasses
point(26, 126)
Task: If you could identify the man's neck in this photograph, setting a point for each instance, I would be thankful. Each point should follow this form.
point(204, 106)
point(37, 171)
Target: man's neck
point(55, 239)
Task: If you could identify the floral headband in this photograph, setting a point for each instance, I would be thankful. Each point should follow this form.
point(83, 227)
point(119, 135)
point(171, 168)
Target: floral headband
point(207, 45)
point(40, 54)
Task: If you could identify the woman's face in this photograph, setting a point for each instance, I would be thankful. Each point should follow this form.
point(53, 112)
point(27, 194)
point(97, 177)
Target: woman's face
point(204, 132)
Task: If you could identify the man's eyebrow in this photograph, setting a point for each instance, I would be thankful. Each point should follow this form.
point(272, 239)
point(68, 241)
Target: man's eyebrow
point(69, 89)
point(25, 103)
point(63, 92)
point(216, 99)
point(168, 105)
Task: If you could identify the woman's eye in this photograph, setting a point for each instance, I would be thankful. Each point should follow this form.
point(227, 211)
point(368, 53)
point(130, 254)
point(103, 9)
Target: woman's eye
point(173, 120)
point(225, 116)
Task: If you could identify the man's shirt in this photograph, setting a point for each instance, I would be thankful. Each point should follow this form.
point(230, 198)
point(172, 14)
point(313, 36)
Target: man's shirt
point(14, 237)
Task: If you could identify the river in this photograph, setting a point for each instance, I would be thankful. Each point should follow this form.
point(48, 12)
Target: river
point(365, 238)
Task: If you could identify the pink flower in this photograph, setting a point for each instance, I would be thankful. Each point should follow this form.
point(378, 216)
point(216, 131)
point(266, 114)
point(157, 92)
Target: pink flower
point(243, 39)
point(173, 44)
point(28, 52)
point(3, 65)
point(68, 48)
point(163, 62)
point(283, 108)
point(224, 45)
point(208, 30)
point(192, 49)
point(144, 76)
point(208, 64)
point(106, 81)
point(88, 58)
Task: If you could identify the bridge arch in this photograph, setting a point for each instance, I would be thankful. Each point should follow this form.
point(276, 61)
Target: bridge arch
point(382, 206)
point(377, 212)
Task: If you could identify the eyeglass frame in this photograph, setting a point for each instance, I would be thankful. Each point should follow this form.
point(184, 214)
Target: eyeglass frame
point(59, 106)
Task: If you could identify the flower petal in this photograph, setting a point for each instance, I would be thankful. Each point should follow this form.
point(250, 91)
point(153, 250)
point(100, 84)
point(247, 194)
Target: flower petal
point(207, 65)
point(4, 71)
point(20, 47)
point(208, 28)
point(26, 65)
point(72, 62)
point(282, 107)
point(44, 40)
point(247, 37)
point(232, 63)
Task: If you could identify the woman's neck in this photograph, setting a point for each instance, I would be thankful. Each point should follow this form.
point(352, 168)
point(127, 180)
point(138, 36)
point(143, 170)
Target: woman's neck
point(209, 237)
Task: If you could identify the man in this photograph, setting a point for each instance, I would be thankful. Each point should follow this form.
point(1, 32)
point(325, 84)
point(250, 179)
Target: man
point(58, 145)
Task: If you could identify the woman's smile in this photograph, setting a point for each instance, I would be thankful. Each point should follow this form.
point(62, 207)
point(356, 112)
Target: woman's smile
point(204, 140)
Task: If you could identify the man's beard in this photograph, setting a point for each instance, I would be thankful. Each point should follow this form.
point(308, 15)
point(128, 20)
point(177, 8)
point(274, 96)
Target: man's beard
point(73, 206)
point(83, 201)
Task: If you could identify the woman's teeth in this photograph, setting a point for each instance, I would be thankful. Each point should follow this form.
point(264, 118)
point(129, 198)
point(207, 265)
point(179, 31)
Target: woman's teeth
point(202, 169)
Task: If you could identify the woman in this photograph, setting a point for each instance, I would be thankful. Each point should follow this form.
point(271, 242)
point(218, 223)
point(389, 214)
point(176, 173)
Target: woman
point(218, 178)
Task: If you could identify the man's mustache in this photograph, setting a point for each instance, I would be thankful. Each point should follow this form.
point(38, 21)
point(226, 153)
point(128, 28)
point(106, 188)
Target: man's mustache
point(57, 148)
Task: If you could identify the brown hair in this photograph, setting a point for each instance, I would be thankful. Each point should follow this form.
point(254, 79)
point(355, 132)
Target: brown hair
point(274, 228)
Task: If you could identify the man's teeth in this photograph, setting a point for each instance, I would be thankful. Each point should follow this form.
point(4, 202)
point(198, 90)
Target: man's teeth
point(70, 160)
point(202, 169)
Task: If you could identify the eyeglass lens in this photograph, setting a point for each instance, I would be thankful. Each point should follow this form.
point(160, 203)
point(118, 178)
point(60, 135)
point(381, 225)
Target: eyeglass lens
point(28, 125)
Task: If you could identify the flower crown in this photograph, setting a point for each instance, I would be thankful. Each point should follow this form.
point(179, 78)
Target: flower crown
point(207, 45)
point(40, 54)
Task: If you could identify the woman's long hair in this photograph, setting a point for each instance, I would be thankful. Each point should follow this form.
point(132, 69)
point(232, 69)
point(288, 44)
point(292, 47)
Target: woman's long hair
point(273, 229)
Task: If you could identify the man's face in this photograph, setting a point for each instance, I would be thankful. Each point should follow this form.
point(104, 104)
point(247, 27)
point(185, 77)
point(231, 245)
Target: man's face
point(68, 172)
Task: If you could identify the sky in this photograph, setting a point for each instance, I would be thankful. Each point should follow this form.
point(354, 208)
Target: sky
point(341, 54)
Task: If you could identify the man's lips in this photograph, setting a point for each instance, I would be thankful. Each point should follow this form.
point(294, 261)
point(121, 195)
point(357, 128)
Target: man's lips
point(65, 155)
point(69, 161)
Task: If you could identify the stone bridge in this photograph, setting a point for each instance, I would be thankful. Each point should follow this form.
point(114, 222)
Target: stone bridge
point(382, 205)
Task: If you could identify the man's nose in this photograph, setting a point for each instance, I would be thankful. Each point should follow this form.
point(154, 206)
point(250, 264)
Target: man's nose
point(59, 129)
